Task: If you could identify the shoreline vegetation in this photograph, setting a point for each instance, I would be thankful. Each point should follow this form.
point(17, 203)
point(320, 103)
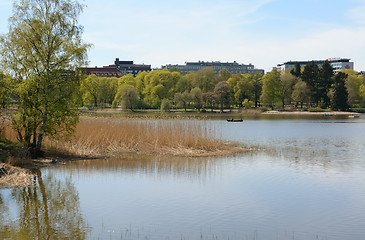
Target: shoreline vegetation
point(107, 137)
point(100, 137)
point(333, 113)
point(97, 137)
point(216, 112)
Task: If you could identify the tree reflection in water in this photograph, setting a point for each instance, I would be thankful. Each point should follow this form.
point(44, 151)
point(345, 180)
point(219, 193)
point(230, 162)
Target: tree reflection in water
point(48, 210)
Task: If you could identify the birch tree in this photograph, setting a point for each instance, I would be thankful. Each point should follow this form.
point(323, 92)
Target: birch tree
point(42, 50)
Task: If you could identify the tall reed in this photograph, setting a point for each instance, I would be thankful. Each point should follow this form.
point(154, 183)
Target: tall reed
point(110, 136)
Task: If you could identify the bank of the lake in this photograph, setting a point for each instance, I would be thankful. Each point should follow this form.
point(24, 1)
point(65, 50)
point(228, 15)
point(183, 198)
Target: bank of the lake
point(326, 113)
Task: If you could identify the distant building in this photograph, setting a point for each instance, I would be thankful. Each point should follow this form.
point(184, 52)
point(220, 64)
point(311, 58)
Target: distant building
point(232, 67)
point(104, 71)
point(126, 67)
point(337, 64)
point(118, 69)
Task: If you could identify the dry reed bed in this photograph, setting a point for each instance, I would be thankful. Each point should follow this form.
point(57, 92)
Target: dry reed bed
point(108, 136)
point(14, 177)
point(103, 136)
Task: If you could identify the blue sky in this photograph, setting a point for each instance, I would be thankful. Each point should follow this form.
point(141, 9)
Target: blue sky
point(262, 32)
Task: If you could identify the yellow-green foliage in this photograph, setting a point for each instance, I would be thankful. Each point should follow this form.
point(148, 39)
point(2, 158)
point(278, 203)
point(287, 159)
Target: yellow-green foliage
point(247, 104)
point(99, 91)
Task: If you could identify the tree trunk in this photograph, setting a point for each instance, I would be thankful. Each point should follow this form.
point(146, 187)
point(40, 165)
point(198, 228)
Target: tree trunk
point(38, 152)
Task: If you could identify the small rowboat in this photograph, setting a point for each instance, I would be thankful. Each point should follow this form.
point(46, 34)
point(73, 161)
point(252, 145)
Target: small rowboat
point(234, 120)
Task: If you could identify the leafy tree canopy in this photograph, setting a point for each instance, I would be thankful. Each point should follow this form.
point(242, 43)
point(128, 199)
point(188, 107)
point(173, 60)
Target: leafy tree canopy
point(41, 51)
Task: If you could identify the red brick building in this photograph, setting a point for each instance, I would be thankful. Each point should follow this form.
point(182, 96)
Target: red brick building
point(118, 69)
point(104, 71)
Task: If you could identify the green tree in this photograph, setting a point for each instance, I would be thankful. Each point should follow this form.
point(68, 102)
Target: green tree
point(5, 90)
point(243, 89)
point(287, 83)
point(196, 96)
point(182, 99)
point(325, 82)
point(221, 92)
point(362, 95)
point(90, 88)
point(353, 86)
point(128, 79)
point(340, 95)
point(296, 71)
point(247, 104)
point(205, 79)
point(271, 89)
point(166, 105)
point(42, 50)
point(140, 83)
point(208, 100)
point(158, 85)
point(183, 83)
point(311, 77)
point(301, 93)
point(129, 98)
point(224, 75)
point(257, 88)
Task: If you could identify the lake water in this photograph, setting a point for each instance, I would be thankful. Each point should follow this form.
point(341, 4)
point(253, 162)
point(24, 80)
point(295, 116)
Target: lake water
point(305, 181)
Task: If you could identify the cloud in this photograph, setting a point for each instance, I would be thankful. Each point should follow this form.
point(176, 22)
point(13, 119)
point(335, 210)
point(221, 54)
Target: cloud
point(357, 14)
point(341, 42)
point(162, 32)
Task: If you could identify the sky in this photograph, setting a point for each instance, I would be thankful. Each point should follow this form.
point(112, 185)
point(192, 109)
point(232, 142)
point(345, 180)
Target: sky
point(262, 32)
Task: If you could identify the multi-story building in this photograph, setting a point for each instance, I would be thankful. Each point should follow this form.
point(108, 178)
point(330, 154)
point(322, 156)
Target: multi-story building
point(337, 64)
point(118, 69)
point(232, 67)
point(126, 67)
point(103, 71)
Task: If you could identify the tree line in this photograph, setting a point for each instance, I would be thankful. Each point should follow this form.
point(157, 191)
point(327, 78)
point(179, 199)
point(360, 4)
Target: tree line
point(307, 87)
point(163, 89)
point(314, 87)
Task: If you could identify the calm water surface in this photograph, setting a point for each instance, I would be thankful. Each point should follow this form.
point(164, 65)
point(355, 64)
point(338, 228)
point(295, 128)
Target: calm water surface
point(307, 181)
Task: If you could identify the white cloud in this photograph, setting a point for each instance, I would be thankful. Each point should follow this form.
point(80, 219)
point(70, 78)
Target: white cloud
point(357, 14)
point(165, 33)
point(349, 43)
